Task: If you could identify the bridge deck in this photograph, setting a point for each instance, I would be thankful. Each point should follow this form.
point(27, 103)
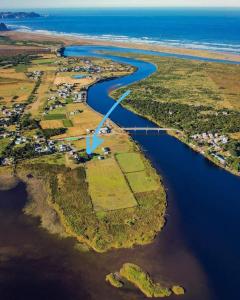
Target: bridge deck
point(147, 129)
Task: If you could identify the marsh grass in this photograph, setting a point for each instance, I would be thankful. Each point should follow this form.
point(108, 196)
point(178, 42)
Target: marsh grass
point(68, 195)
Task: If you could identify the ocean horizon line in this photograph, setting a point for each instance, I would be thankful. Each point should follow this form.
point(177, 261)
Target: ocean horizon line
point(174, 43)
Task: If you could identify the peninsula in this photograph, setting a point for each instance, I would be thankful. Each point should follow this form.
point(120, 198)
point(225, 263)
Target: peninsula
point(18, 15)
point(105, 200)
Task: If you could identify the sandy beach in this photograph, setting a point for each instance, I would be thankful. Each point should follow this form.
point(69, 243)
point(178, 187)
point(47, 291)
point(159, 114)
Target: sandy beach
point(71, 40)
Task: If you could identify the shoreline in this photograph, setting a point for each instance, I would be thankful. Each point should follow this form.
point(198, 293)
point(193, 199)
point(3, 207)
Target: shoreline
point(191, 146)
point(68, 40)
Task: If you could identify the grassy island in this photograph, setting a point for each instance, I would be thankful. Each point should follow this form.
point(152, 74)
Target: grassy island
point(139, 278)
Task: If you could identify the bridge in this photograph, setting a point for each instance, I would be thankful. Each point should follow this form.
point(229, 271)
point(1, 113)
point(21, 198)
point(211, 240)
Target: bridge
point(119, 131)
point(147, 129)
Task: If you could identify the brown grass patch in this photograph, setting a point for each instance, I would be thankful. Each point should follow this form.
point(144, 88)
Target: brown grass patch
point(67, 77)
point(45, 124)
point(47, 81)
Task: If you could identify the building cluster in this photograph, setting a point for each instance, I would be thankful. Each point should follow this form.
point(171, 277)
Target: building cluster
point(214, 140)
point(91, 68)
point(102, 130)
point(67, 90)
point(35, 75)
point(105, 152)
point(10, 116)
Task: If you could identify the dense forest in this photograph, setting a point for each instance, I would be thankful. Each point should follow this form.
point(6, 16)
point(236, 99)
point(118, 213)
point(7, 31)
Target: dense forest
point(190, 119)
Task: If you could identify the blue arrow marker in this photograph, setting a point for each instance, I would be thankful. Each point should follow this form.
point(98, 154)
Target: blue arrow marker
point(97, 141)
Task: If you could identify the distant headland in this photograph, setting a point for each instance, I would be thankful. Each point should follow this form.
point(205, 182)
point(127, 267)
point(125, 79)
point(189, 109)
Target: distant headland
point(3, 27)
point(18, 15)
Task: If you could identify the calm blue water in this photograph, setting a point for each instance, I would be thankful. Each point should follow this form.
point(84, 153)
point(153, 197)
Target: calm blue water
point(214, 29)
point(206, 197)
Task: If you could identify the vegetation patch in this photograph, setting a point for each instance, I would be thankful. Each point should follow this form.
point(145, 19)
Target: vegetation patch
point(142, 280)
point(55, 117)
point(4, 144)
point(130, 162)
point(67, 123)
point(178, 290)
point(107, 186)
point(141, 182)
point(114, 280)
point(45, 124)
point(68, 195)
point(21, 68)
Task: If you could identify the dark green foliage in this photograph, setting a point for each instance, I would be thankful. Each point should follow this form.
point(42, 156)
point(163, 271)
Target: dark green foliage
point(191, 119)
point(16, 59)
point(234, 148)
point(28, 122)
point(53, 131)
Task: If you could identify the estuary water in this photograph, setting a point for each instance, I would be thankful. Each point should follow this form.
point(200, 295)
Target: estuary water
point(207, 197)
point(198, 248)
point(215, 29)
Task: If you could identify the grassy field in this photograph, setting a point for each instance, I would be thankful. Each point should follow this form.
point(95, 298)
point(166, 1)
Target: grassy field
point(67, 77)
point(3, 144)
point(43, 92)
point(107, 186)
point(55, 117)
point(142, 182)
point(67, 123)
point(137, 173)
point(45, 124)
point(43, 61)
point(21, 68)
point(130, 162)
point(14, 85)
point(191, 82)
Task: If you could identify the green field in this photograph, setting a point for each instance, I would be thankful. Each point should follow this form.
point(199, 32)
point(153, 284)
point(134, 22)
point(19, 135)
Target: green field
point(43, 61)
point(130, 162)
point(55, 117)
point(108, 187)
point(3, 144)
point(67, 123)
point(138, 178)
point(21, 68)
point(142, 182)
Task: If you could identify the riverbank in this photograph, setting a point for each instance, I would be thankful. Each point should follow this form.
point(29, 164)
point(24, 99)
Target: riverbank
point(71, 40)
point(203, 107)
point(181, 137)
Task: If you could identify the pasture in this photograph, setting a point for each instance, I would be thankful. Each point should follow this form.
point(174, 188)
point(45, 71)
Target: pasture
point(139, 175)
point(50, 124)
point(142, 182)
point(43, 93)
point(107, 186)
point(67, 123)
point(55, 117)
point(15, 87)
point(130, 162)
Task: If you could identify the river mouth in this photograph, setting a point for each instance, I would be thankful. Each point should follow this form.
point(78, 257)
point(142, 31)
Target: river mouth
point(191, 249)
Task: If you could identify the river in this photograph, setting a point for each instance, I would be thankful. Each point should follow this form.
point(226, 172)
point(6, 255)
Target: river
point(198, 248)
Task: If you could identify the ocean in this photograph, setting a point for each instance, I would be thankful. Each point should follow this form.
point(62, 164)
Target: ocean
point(214, 29)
